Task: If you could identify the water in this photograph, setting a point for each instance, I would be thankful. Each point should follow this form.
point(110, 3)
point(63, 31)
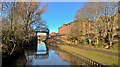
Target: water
point(41, 49)
point(50, 59)
point(48, 56)
point(44, 56)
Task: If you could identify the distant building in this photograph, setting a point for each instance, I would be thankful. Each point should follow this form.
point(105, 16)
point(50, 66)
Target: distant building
point(53, 34)
point(65, 29)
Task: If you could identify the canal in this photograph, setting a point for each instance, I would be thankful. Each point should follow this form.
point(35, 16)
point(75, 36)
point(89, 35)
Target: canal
point(50, 56)
point(46, 56)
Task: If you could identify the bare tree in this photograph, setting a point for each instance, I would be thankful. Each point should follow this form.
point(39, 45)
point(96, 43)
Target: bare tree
point(19, 18)
point(92, 11)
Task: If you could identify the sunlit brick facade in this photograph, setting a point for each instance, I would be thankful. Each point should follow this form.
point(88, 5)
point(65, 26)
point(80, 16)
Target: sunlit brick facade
point(85, 27)
point(65, 29)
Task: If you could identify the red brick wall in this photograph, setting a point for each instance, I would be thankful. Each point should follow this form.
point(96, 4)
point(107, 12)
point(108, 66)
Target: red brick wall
point(53, 34)
point(86, 27)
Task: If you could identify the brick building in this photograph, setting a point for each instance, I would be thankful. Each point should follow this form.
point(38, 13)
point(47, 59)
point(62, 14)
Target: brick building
point(65, 29)
point(53, 34)
point(83, 27)
point(88, 27)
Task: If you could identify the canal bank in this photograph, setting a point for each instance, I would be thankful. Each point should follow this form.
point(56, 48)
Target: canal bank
point(101, 58)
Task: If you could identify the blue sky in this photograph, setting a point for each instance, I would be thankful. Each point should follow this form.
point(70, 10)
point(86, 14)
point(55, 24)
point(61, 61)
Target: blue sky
point(59, 13)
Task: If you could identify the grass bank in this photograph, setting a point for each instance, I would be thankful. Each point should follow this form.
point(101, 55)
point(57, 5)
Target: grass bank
point(114, 49)
point(96, 56)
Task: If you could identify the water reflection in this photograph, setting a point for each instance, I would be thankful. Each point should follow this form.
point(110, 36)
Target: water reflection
point(52, 59)
point(49, 56)
point(42, 51)
point(43, 56)
point(70, 58)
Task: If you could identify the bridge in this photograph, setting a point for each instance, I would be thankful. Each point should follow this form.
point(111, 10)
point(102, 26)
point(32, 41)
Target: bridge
point(41, 30)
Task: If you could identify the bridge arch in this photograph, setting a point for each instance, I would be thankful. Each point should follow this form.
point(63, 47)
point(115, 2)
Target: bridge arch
point(42, 30)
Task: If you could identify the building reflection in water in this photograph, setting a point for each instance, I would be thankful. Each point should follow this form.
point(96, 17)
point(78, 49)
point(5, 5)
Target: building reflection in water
point(70, 58)
point(42, 51)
